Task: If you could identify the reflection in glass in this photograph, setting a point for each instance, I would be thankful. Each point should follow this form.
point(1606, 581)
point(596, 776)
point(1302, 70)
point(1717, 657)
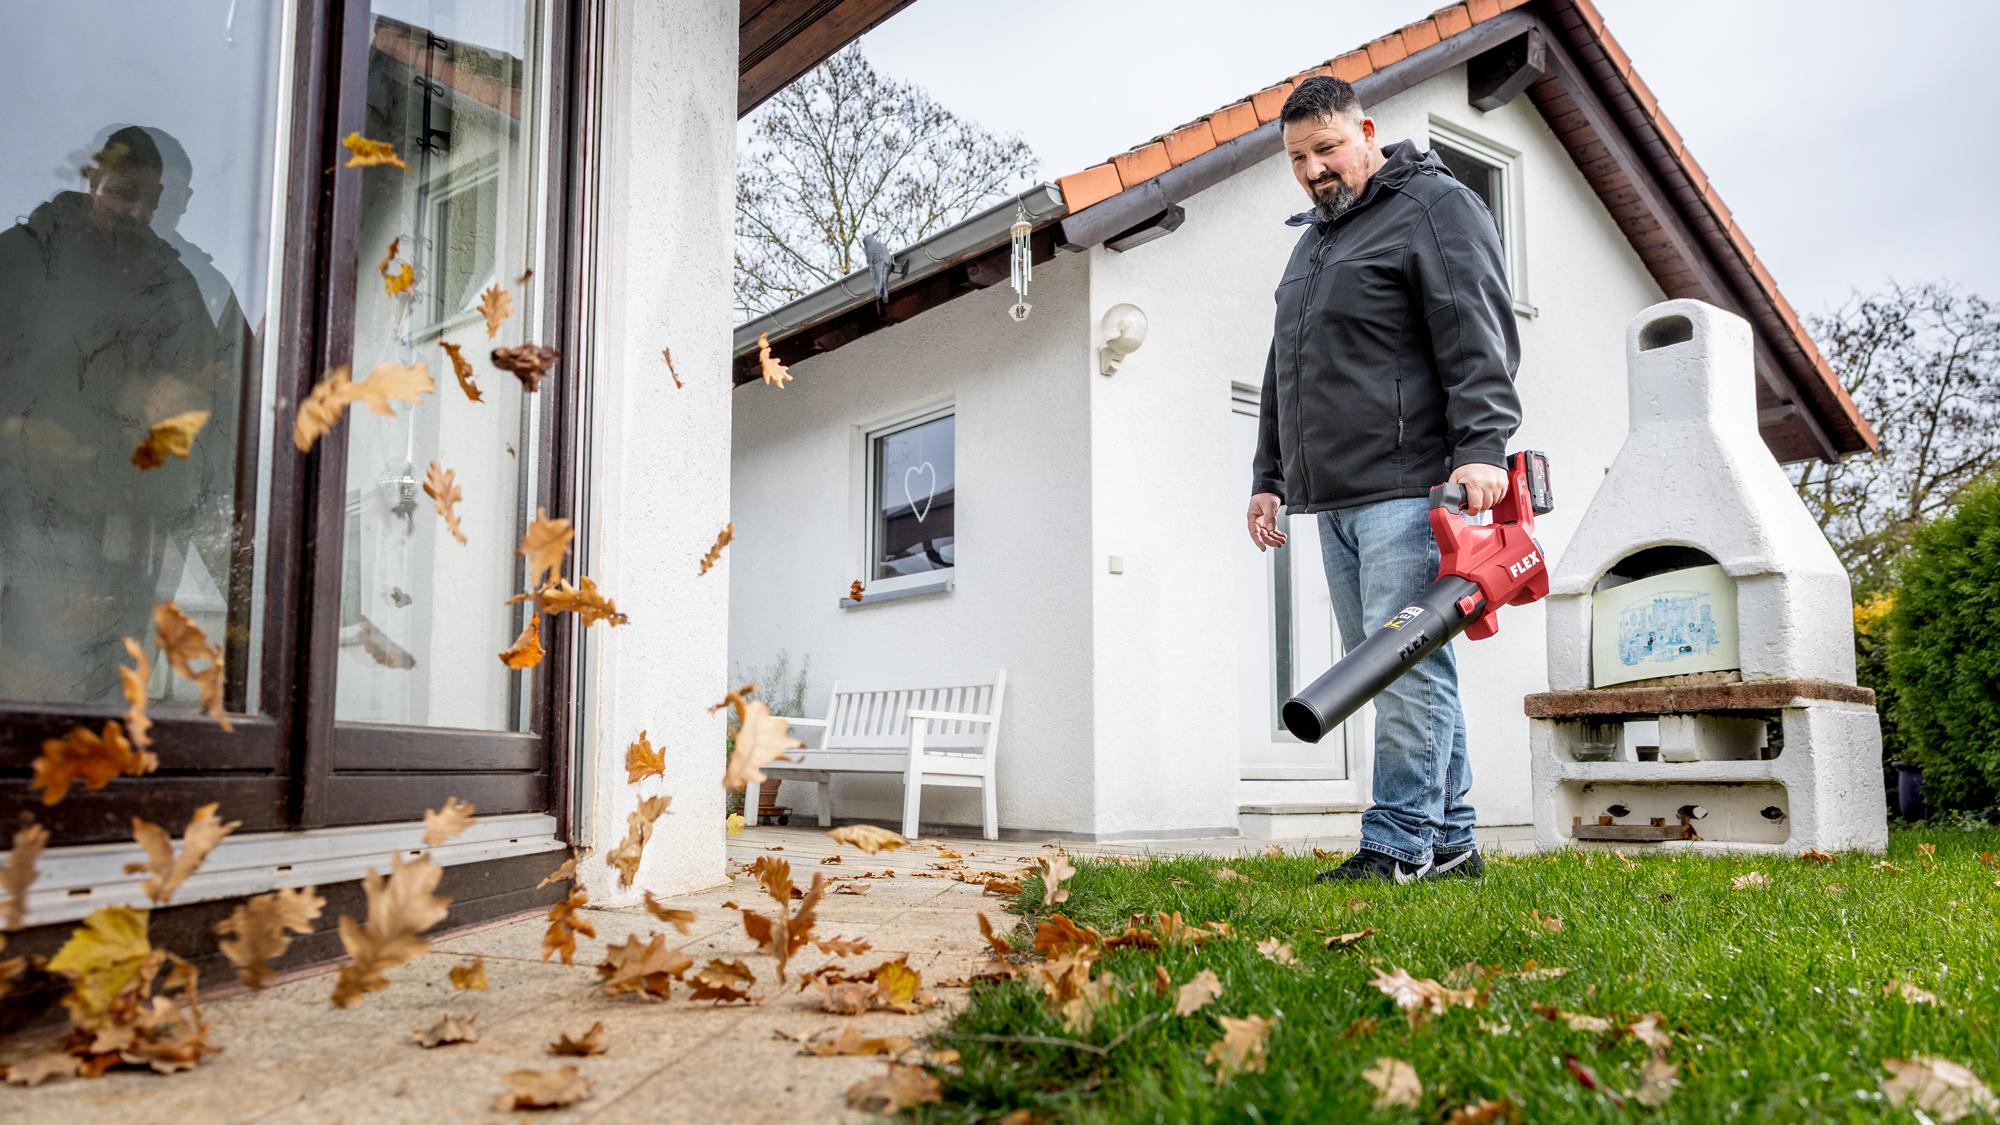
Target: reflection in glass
point(454, 87)
point(914, 490)
point(133, 276)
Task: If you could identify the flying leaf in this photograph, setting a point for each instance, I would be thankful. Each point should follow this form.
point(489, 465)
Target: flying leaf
point(132, 681)
point(526, 651)
point(723, 982)
point(1753, 880)
point(442, 824)
point(496, 305)
point(1938, 1086)
point(668, 355)
point(399, 280)
point(169, 437)
point(1056, 871)
point(638, 829)
point(1241, 1048)
point(544, 545)
point(394, 382)
point(529, 363)
point(870, 838)
point(641, 965)
point(543, 1089)
point(732, 825)
point(450, 1029)
point(1395, 1083)
point(722, 539)
point(101, 957)
point(91, 758)
point(895, 1091)
point(399, 908)
point(389, 257)
point(586, 601)
point(837, 946)
point(370, 154)
point(642, 761)
point(783, 935)
point(259, 931)
point(672, 916)
point(462, 368)
point(381, 647)
point(469, 977)
point(760, 740)
point(332, 395)
point(855, 591)
point(566, 871)
point(591, 1042)
point(204, 831)
point(1196, 993)
point(736, 699)
point(1814, 855)
point(188, 653)
point(564, 924)
point(441, 487)
point(774, 372)
point(19, 874)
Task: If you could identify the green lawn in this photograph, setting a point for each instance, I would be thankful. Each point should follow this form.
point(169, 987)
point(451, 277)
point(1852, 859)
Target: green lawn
point(1774, 996)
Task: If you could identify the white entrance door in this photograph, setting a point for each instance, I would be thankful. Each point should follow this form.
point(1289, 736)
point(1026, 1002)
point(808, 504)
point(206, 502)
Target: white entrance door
point(1285, 633)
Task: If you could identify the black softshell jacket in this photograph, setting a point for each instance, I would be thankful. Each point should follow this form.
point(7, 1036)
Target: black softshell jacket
point(1394, 349)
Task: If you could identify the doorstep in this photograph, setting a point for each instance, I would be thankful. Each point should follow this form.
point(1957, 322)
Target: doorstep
point(1300, 820)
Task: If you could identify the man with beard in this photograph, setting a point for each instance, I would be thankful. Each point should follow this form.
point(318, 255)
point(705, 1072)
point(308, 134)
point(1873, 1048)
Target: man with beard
point(103, 332)
point(1391, 369)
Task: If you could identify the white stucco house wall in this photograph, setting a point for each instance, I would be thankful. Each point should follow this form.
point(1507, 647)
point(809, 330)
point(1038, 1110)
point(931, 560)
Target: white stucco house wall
point(1096, 544)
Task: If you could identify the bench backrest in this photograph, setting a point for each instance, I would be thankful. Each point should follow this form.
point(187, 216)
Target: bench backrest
point(872, 713)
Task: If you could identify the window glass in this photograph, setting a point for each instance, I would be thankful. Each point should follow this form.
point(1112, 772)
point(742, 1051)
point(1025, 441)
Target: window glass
point(454, 86)
point(142, 150)
point(914, 493)
point(1482, 177)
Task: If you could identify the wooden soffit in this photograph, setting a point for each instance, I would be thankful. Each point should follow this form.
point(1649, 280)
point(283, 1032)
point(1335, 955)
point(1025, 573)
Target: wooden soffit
point(782, 39)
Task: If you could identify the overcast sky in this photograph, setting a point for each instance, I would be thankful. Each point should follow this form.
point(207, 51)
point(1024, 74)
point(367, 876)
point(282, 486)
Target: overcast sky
point(1854, 141)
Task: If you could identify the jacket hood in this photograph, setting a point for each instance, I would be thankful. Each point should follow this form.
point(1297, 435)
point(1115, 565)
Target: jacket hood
point(1400, 161)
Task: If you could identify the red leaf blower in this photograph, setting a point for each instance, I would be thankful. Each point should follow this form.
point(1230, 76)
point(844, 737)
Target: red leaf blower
point(1481, 567)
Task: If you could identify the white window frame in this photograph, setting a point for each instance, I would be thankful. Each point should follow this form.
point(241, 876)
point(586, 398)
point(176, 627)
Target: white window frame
point(1512, 214)
point(862, 522)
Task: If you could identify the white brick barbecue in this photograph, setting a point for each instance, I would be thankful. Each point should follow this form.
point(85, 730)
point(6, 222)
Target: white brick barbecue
point(1694, 486)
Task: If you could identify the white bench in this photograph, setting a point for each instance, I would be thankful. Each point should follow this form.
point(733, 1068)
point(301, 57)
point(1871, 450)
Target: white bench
point(932, 729)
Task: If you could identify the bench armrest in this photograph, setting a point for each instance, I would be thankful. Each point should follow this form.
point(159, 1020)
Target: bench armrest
point(949, 716)
point(802, 722)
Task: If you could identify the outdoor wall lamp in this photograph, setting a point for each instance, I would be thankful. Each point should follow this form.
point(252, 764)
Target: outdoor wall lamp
point(1124, 330)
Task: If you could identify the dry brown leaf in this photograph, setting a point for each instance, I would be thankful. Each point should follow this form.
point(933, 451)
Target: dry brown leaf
point(1814, 855)
point(1338, 940)
point(870, 838)
point(462, 368)
point(132, 681)
point(1060, 936)
point(204, 831)
point(1575, 1021)
point(1885, 865)
point(441, 486)
point(1196, 993)
point(1911, 993)
point(442, 824)
point(1651, 1030)
point(851, 1041)
point(389, 256)
point(895, 1091)
point(543, 1089)
point(371, 154)
point(1274, 851)
point(722, 539)
point(37, 1069)
point(399, 908)
point(1241, 1048)
point(1000, 946)
point(529, 363)
point(1395, 1083)
point(1230, 875)
point(81, 755)
point(399, 281)
point(1658, 1079)
point(586, 601)
point(855, 591)
point(526, 651)
point(736, 700)
point(471, 976)
point(672, 916)
point(591, 1042)
point(259, 931)
point(1484, 1112)
point(1552, 923)
point(773, 372)
point(566, 871)
point(19, 875)
point(1278, 951)
point(641, 965)
point(1937, 1086)
point(332, 395)
point(189, 653)
point(668, 355)
point(761, 738)
point(496, 305)
point(102, 956)
point(724, 982)
point(783, 935)
point(642, 761)
point(382, 648)
point(1422, 998)
point(169, 437)
point(544, 545)
point(638, 829)
point(1055, 871)
point(1750, 881)
point(449, 1029)
point(564, 924)
point(838, 946)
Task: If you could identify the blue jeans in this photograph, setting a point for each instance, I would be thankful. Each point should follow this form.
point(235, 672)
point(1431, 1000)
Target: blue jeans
point(1378, 557)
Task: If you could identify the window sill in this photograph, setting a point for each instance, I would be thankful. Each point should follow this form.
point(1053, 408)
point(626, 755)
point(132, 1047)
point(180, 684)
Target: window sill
point(941, 583)
point(1524, 309)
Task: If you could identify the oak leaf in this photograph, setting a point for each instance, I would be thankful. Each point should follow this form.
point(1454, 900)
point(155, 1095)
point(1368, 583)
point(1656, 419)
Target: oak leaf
point(1422, 998)
point(870, 838)
point(91, 758)
point(1658, 1079)
point(1937, 1086)
point(381, 647)
point(567, 870)
point(1484, 1112)
point(783, 935)
point(723, 982)
point(640, 965)
point(449, 1029)
point(1278, 951)
point(638, 829)
point(543, 1089)
point(462, 368)
point(1241, 1048)
point(529, 363)
point(526, 651)
point(442, 824)
point(400, 280)
point(101, 957)
point(189, 653)
point(1911, 993)
point(169, 437)
point(895, 1091)
point(132, 681)
point(471, 976)
point(544, 544)
point(259, 931)
point(564, 924)
point(838, 946)
point(1000, 946)
point(722, 539)
point(371, 154)
point(389, 256)
point(761, 739)
point(496, 305)
point(441, 485)
point(1553, 923)
point(851, 1041)
point(736, 700)
point(400, 908)
point(591, 1042)
point(19, 874)
point(856, 591)
point(642, 761)
point(1230, 875)
point(332, 395)
point(668, 355)
point(1339, 940)
point(1056, 870)
point(773, 372)
point(37, 1069)
point(204, 831)
point(1395, 1083)
point(1196, 993)
point(586, 601)
point(1814, 855)
point(1753, 880)
point(1062, 937)
point(899, 988)
point(732, 825)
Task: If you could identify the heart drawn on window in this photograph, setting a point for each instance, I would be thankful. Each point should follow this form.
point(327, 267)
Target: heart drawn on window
point(930, 490)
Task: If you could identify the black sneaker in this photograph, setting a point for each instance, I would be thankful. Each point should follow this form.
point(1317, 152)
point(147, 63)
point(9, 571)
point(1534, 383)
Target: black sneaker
point(1367, 866)
point(1463, 863)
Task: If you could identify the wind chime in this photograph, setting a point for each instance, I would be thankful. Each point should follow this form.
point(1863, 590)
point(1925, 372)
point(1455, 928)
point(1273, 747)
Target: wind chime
point(1022, 268)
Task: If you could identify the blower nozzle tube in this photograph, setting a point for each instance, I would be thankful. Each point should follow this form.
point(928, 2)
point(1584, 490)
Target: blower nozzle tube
point(1434, 618)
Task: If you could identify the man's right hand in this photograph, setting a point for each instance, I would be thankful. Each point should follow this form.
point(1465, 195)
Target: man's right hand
point(1264, 521)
